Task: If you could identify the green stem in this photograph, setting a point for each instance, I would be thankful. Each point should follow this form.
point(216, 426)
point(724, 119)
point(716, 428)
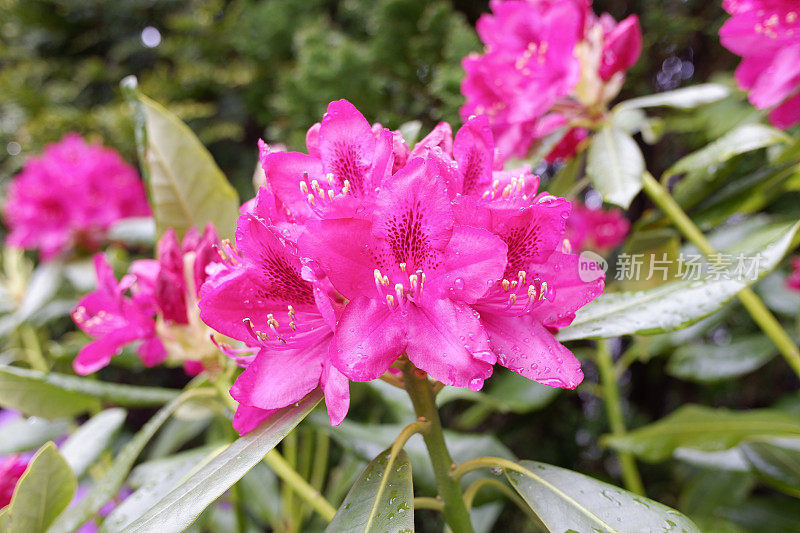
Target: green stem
point(421, 393)
point(761, 315)
point(300, 486)
point(33, 349)
point(424, 502)
point(608, 380)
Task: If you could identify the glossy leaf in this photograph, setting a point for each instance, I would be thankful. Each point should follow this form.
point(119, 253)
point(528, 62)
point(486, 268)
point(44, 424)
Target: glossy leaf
point(26, 392)
point(743, 139)
point(685, 98)
point(85, 445)
point(382, 499)
point(187, 188)
point(703, 428)
point(615, 165)
point(107, 486)
point(27, 382)
point(676, 304)
point(42, 493)
point(181, 506)
point(706, 363)
point(25, 434)
point(568, 501)
point(153, 480)
point(777, 462)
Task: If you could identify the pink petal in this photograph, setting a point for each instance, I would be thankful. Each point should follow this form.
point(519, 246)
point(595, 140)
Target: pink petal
point(337, 393)
point(340, 248)
point(526, 347)
point(568, 292)
point(473, 149)
point(347, 146)
point(473, 260)
point(369, 338)
point(277, 378)
point(247, 418)
point(446, 340)
point(440, 136)
point(285, 171)
point(98, 354)
point(779, 79)
point(787, 114)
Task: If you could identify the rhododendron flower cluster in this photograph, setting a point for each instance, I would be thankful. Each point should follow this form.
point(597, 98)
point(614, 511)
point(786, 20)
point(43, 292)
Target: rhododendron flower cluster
point(793, 281)
point(596, 229)
point(362, 252)
point(69, 196)
point(546, 63)
point(154, 303)
point(766, 33)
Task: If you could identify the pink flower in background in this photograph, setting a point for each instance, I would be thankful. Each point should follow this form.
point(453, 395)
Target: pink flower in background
point(261, 298)
point(793, 281)
point(545, 63)
point(69, 196)
point(115, 319)
point(11, 469)
point(155, 303)
point(596, 229)
point(766, 34)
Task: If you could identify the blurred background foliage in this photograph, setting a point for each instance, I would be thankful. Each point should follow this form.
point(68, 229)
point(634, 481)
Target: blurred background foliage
point(237, 70)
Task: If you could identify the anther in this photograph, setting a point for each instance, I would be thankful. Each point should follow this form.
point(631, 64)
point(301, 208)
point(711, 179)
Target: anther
point(390, 300)
point(506, 284)
point(330, 177)
point(311, 199)
point(304, 187)
point(521, 274)
point(403, 267)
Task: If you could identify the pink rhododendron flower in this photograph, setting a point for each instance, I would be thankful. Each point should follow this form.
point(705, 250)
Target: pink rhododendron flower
point(545, 63)
point(261, 298)
point(596, 229)
point(793, 281)
point(11, 469)
point(70, 195)
point(766, 34)
point(436, 253)
point(155, 303)
point(347, 161)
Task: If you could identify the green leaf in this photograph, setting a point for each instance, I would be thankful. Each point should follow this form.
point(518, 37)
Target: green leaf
point(568, 501)
point(88, 390)
point(178, 509)
point(680, 303)
point(154, 480)
point(25, 434)
point(37, 397)
point(703, 428)
point(187, 188)
point(42, 493)
point(743, 139)
point(382, 499)
point(108, 486)
point(134, 231)
point(685, 98)
point(775, 514)
point(777, 462)
point(86, 444)
point(705, 363)
point(615, 165)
